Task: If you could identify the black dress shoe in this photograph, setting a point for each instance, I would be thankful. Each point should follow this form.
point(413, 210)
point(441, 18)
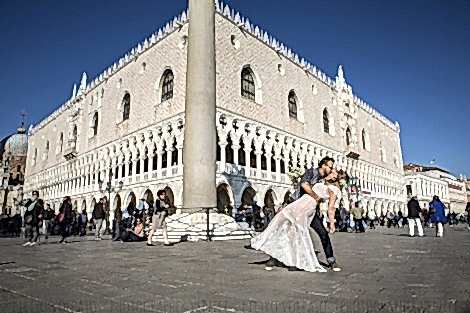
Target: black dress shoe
point(293, 269)
point(271, 262)
point(150, 244)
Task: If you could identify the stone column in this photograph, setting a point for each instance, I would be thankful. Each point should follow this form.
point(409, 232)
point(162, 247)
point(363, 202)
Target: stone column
point(119, 169)
point(268, 164)
point(223, 154)
point(258, 153)
point(278, 168)
point(134, 167)
point(142, 161)
point(286, 162)
point(159, 163)
point(126, 167)
point(169, 157)
point(180, 146)
point(247, 159)
point(199, 153)
point(180, 159)
point(235, 149)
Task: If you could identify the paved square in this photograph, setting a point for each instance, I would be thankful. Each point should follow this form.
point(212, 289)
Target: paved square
point(383, 271)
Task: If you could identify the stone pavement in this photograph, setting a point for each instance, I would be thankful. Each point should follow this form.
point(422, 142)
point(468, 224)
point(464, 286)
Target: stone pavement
point(383, 271)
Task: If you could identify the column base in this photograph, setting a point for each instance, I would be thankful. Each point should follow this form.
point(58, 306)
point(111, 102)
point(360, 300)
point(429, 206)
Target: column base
point(193, 227)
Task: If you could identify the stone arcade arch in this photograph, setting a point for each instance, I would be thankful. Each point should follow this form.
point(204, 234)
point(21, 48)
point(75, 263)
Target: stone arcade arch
point(131, 200)
point(270, 199)
point(224, 201)
point(148, 196)
point(83, 205)
point(248, 196)
point(287, 198)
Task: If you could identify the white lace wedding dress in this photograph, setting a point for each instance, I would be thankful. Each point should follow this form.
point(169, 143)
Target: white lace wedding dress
point(287, 237)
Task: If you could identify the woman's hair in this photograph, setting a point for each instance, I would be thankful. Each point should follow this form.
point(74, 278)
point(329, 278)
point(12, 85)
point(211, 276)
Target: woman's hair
point(341, 175)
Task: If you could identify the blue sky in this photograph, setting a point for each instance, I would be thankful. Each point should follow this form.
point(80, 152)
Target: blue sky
point(408, 59)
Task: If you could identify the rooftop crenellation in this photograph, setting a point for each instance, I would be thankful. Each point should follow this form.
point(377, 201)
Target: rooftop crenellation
point(175, 24)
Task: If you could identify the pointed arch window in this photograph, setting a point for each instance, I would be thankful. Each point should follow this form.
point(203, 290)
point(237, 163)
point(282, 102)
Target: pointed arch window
point(61, 142)
point(326, 121)
point(167, 85)
point(348, 137)
point(35, 156)
point(248, 84)
point(46, 153)
point(383, 153)
point(95, 124)
point(364, 139)
point(292, 99)
point(73, 140)
point(126, 106)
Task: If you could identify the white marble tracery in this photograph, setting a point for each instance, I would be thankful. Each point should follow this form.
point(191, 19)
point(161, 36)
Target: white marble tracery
point(80, 177)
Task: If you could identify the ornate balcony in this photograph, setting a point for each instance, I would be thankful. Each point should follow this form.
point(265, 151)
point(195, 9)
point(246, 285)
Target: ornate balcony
point(71, 151)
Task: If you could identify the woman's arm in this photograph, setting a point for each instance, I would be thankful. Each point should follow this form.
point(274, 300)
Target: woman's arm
point(331, 210)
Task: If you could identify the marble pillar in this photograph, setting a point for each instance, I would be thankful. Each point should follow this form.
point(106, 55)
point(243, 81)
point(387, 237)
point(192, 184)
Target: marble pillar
point(199, 153)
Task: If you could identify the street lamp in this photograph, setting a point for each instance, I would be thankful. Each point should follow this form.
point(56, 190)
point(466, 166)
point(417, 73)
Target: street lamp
point(109, 189)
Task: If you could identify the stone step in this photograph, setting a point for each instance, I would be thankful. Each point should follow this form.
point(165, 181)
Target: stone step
point(175, 236)
point(175, 239)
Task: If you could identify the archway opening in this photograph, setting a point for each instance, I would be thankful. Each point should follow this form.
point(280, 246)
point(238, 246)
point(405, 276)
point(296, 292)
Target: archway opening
point(224, 204)
point(248, 197)
point(287, 198)
point(269, 198)
point(131, 202)
point(148, 197)
point(83, 206)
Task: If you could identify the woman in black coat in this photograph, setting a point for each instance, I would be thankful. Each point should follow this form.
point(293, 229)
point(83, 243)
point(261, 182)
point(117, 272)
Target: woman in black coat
point(64, 218)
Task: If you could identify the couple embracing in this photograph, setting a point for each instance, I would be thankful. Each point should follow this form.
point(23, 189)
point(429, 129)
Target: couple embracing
point(287, 238)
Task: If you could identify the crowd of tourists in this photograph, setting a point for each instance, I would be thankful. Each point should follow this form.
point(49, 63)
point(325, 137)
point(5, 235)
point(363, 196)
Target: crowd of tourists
point(284, 233)
point(132, 223)
point(358, 220)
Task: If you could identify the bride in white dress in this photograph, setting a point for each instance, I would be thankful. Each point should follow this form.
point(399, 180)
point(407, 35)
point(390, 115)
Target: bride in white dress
point(287, 237)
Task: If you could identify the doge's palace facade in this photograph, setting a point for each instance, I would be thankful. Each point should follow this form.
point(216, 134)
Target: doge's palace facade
point(275, 112)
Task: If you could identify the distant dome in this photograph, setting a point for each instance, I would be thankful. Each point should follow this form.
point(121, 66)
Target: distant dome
point(17, 144)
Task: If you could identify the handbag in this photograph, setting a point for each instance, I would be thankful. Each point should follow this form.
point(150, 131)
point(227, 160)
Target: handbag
point(60, 217)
